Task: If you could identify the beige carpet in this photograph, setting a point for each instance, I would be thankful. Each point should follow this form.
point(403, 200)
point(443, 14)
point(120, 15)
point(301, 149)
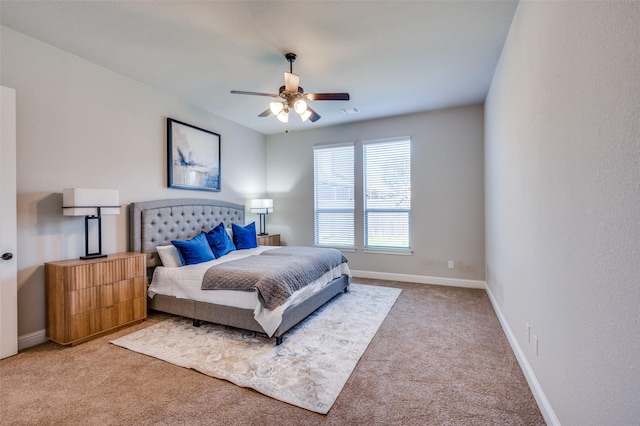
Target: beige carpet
point(439, 358)
point(308, 369)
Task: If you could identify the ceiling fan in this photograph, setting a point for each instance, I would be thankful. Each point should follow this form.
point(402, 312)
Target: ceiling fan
point(292, 96)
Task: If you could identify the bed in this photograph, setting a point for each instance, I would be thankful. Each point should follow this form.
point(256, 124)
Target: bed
point(156, 223)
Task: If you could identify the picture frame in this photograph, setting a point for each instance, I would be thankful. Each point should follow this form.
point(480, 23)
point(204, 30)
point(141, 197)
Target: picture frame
point(193, 157)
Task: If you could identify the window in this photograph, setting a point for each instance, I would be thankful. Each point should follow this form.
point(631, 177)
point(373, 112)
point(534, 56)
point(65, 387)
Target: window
point(387, 194)
point(334, 195)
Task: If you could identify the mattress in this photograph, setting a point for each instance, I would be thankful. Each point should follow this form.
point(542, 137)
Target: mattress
point(185, 283)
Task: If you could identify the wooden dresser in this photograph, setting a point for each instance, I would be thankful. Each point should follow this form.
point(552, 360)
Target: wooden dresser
point(88, 298)
point(269, 240)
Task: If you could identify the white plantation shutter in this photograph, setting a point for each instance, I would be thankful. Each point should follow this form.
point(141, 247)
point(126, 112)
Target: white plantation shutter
point(387, 192)
point(334, 195)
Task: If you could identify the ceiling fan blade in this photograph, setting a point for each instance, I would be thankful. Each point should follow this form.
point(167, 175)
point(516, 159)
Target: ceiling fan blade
point(314, 115)
point(291, 82)
point(265, 113)
point(240, 92)
point(327, 96)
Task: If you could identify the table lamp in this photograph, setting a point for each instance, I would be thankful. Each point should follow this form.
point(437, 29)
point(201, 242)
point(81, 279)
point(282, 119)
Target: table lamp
point(262, 207)
point(92, 204)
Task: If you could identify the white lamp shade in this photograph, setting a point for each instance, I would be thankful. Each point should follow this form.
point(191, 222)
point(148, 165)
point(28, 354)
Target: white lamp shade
point(283, 116)
point(262, 205)
point(300, 106)
point(305, 115)
point(85, 202)
point(276, 107)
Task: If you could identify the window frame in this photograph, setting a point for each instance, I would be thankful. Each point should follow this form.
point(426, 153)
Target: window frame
point(367, 209)
point(334, 210)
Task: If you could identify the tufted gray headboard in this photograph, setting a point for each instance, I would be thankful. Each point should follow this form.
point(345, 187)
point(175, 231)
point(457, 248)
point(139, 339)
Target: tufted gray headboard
point(156, 223)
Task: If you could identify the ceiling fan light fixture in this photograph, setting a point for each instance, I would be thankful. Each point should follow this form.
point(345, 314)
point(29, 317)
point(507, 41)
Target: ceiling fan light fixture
point(292, 97)
point(300, 106)
point(283, 116)
point(276, 107)
point(305, 115)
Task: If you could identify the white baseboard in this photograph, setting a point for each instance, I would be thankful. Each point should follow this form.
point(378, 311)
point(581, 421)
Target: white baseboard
point(31, 339)
point(420, 279)
point(543, 403)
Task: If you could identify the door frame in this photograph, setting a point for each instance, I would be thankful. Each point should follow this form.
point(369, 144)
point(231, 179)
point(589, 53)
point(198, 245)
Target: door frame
point(8, 225)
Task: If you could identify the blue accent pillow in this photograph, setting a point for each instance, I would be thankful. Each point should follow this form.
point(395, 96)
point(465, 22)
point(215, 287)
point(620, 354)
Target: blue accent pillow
point(244, 237)
point(219, 241)
point(195, 250)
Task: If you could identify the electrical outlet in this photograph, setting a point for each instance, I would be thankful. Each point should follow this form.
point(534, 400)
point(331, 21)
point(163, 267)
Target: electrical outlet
point(535, 344)
point(528, 332)
point(451, 264)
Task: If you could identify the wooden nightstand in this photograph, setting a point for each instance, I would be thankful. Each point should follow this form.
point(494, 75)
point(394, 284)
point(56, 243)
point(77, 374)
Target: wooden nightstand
point(269, 240)
point(89, 298)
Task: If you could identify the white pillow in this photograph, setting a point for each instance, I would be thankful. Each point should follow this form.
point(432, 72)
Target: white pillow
point(169, 256)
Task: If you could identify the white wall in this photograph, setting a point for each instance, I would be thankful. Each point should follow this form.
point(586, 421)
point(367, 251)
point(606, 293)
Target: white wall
point(447, 191)
point(81, 125)
point(562, 184)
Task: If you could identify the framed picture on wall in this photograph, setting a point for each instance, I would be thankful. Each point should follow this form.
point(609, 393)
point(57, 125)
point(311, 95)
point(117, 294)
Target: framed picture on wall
point(193, 157)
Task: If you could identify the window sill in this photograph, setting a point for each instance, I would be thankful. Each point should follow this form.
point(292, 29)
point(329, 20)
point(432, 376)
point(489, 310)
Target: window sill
point(400, 252)
point(343, 249)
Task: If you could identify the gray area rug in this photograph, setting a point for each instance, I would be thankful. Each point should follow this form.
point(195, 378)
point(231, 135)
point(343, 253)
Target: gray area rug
point(309, 369)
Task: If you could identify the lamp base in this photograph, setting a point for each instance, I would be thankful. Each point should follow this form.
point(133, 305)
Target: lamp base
point(263, 228)
point(97, 254)
point(262, 234)
point(93, 256)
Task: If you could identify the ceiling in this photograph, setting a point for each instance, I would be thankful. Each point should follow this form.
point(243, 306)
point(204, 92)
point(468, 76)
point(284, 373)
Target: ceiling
point(393, 57)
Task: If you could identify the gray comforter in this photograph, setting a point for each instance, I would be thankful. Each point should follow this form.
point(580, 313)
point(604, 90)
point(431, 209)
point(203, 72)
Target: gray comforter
point(275, 274)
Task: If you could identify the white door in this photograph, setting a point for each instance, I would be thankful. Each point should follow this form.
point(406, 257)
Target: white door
point(8, 237)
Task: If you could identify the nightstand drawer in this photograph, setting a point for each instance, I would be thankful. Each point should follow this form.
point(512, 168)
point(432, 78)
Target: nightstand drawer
point(92, 274)
point(269, 240)
point(121, 313)
point(93, 322)
point(91, 298)
point(110, 294)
